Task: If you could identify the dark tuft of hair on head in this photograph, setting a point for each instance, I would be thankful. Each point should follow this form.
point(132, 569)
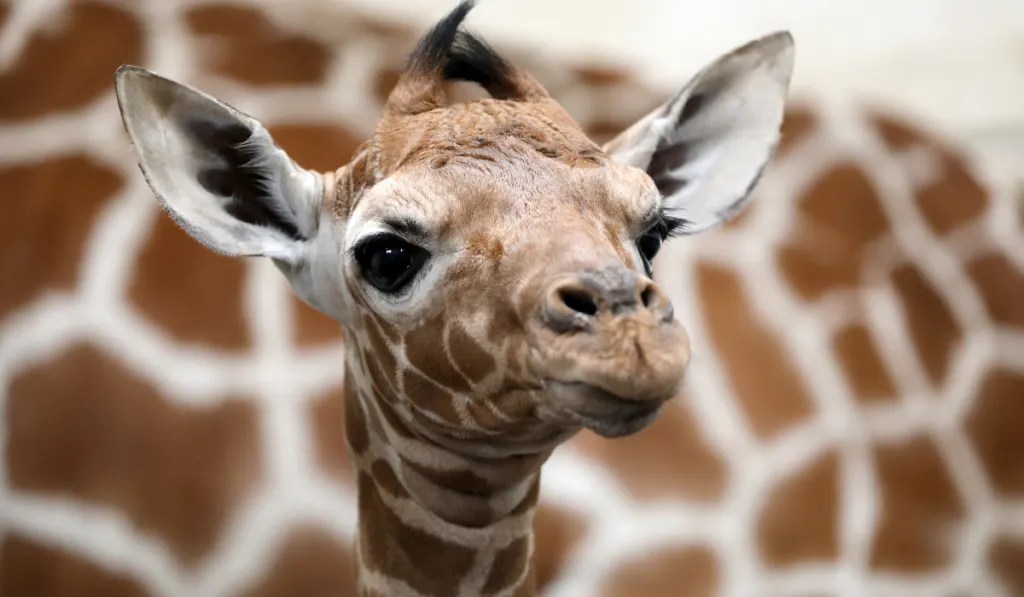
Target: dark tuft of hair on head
point(473, 60)
point(457, 55)
point(431, 53)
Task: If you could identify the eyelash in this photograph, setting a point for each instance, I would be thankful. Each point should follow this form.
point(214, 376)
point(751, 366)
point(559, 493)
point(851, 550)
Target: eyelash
point(668, 226)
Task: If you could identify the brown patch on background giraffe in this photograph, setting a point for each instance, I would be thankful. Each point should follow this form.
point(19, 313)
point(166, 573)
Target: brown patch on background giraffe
point(207, 287)
point(84, 427)
point(934, 331)
point(955, 197)
point(69, 66)
point(1002, 287)
point(42, 233)
point(558, 534)
point(28, 569)
point(316, 146)
point(865, 370)
point(384, 81)
point(771, 391)
point(669, 460)
point(994, 428)
point(1006, 557)
point(800, 518)
point(920, 512)
point(667, 572)
point(53, 564)
point(253, 50)
point(841, 217)
point(327, 421)
point(799, 124)
point(312, 328)
point(308, 562)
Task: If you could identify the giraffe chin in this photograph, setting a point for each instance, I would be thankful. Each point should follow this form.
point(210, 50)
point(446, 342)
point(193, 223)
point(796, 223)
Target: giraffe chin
point(605, 414)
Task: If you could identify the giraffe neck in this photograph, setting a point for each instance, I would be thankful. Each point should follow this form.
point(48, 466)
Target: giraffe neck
point(432, 522)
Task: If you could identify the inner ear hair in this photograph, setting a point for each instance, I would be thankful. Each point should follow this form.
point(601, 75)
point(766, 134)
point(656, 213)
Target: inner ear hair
point(237, 171)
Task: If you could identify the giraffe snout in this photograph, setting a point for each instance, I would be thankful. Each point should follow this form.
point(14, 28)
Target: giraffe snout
point(598, 298)
point(609, 348)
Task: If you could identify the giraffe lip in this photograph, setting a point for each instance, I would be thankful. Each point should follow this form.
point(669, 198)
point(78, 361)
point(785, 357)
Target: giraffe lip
point(602, 412)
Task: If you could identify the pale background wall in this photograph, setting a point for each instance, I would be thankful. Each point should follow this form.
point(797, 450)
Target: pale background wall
point(956, 63)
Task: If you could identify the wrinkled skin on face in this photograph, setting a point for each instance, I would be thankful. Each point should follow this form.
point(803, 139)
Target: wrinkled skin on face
point(484, 323)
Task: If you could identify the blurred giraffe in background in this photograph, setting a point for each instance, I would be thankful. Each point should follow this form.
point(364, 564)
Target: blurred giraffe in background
point(172, 418)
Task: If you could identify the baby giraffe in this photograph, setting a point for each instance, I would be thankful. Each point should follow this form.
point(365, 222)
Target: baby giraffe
point(491, 268)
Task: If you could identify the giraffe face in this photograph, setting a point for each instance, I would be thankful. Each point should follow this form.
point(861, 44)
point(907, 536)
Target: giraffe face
point(515, 284)
point(491, 264)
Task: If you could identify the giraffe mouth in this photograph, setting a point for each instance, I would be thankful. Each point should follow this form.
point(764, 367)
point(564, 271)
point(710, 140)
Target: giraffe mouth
point(604, 413)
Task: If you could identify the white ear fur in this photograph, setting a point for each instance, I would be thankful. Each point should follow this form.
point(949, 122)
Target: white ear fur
point(216, 170)
point(706, 147)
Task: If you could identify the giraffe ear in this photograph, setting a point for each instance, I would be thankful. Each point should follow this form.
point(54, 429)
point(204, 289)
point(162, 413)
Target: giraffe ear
point(216, 170)
point(706, 147)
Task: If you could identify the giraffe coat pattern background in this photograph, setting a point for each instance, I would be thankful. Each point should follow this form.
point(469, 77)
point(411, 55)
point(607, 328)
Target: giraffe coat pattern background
point(172, 422)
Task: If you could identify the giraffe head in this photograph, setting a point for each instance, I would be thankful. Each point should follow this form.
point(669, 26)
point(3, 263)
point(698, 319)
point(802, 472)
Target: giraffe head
point(490, 264)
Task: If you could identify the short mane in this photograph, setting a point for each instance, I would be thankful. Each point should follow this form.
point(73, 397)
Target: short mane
point(451, 54)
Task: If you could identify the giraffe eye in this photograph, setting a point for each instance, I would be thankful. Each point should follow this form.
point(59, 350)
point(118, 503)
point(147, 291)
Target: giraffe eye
point(388, 262)
point(649, 245)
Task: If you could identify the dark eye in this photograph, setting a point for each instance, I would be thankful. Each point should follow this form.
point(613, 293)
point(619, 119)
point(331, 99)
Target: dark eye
point(649, 244)
point(388, 262)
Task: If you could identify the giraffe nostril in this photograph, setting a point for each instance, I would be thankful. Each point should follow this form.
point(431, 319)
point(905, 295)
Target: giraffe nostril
point(647, 297)
point(578, 300)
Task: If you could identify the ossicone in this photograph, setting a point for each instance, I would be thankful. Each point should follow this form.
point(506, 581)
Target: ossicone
point(449, 53)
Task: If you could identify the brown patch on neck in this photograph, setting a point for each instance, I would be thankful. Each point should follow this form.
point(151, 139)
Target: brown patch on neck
point(426, 562)
point(421, 348)
point(470, 358)
point(425, 395)
point(464, 482)
point(509, 566)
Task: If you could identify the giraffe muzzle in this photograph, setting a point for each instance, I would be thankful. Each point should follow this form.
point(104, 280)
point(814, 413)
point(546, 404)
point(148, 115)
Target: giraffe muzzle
point(609, 349)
